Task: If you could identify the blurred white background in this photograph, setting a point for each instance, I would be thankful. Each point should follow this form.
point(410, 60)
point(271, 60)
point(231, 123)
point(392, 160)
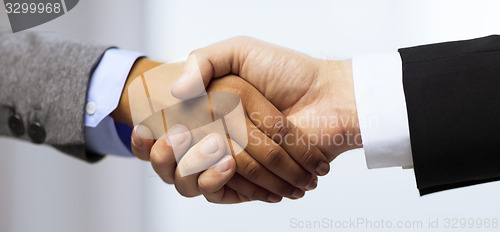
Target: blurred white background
point(43, 190)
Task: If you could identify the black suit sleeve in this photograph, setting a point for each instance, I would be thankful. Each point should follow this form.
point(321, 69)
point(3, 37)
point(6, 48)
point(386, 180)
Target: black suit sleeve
point(452, 94)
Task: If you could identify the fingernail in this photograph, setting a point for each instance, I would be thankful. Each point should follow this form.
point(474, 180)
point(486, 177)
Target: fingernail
point(140, 134)
point(183, 78)
point(190, 83)
point(223, 164)
point(312, 185)
point(179, 88)
point(322, 168)
point(274, 198)
point(176, 135)
point(211, 145)
point(297, 193)
point(136, 141)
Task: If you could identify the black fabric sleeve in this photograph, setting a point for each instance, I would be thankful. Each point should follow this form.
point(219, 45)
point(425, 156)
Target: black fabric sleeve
point(452, 95)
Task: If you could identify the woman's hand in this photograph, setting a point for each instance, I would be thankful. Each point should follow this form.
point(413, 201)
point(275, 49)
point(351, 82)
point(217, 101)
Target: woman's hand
point(264, 170)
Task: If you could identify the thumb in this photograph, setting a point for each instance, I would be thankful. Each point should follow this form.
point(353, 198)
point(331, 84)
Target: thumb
point(213, 61)
point(142, 141)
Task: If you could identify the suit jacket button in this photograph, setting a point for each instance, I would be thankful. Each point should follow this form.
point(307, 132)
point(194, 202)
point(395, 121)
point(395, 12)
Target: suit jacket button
point(16, 125)
point(37, 133)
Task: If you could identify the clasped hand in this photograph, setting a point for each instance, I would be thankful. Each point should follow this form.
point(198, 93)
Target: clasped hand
point(300, 114)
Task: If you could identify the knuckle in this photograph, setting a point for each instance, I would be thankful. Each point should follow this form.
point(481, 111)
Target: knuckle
point(302, 194)
point(254, 195)
point(157, 158)
point(163, 171)
point(309, 158)
point(280, 129)
point(285, 190)
point(242, 198)
point(204, 186)
point(302, 180)
point(211, 200)
point(185, 193)
point(259, 194)
point(141, 153)
point(251, 171)
point(274, 156)
point(166, 179)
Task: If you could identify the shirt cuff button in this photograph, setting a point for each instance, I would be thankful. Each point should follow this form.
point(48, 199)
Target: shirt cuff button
point(90, 108)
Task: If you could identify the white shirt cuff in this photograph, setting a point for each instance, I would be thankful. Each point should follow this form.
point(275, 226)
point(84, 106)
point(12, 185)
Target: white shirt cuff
point(105, 89)
point(381, 105)
point(106, 84)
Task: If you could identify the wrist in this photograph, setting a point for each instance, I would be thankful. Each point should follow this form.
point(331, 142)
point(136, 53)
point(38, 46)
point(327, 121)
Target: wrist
point(340, 75)
point(352, 131)
point(122, 113)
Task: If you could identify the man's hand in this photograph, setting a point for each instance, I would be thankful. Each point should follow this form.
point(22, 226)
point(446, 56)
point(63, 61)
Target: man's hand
point(264, 170)
point(316, 95)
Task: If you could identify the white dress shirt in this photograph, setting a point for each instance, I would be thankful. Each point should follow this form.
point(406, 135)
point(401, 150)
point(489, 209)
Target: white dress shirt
point(381, 105)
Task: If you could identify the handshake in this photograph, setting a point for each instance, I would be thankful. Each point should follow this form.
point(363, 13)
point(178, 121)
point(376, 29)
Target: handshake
point(241, 120)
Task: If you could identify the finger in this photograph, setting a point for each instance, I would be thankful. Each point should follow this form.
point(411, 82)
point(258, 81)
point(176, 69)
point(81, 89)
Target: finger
point(142, 141)
point(213, 61)
point(163, 158)
point(296, 143)
point(238, 190)
point(211, 182)
point(198, 158)
point(230, 197)
point(249, 168)
point(251, 191)
point(275, 159)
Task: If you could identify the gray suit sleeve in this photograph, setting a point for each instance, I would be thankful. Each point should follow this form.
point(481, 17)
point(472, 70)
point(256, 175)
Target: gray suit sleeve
point(44, 81)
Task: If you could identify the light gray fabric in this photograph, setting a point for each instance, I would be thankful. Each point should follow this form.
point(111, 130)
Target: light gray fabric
point(46, 78)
